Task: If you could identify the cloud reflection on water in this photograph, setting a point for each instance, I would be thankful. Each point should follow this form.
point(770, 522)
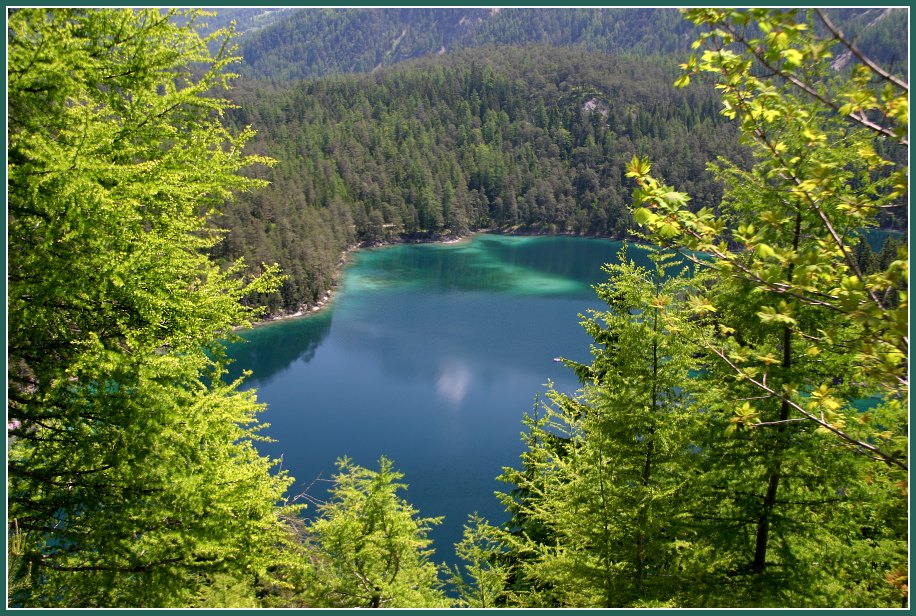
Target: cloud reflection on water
point(454, 381)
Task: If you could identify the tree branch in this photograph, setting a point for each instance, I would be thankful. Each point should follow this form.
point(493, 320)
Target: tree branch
point(885, 457)
point(807, 89)
point(872, 66)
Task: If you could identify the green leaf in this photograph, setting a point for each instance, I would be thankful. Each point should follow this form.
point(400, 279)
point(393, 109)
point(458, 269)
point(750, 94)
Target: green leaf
point(668, 230)
point(792, 58)
point(644, 216)
point(765, 251)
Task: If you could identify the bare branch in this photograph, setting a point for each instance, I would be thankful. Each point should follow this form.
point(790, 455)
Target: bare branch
point(765, 424)
point(872, 66)
point(884, 457)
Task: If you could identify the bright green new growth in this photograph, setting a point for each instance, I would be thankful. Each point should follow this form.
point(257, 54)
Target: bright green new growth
point(787, 228)
point(370, 548)
point(483, 579)
point(714, 456)
point(600, 502)
point(799, 331)
point(132, 472)
point(754, 479)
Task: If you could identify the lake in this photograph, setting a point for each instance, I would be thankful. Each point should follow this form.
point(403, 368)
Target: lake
point(430, 355)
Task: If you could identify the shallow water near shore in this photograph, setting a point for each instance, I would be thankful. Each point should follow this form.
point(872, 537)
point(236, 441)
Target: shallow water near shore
point(429, 355)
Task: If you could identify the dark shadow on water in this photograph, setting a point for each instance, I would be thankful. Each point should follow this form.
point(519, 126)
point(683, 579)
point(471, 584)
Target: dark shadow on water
point(272, 348)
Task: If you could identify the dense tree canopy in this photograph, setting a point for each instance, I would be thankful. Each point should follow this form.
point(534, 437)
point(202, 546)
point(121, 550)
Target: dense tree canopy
point(290, 43)
point(370, 548)
point(529, 139)
point(315, 42)
point(533, 138)
point(132, 470)
point(789, 484)
point(794, 220)
point(605, 478)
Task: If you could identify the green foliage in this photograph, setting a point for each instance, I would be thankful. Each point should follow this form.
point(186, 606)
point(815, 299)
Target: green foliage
point(769, 469)
point(225, 591)
point(310, 43)
point(606, 470)
point(486, 575)
point(740, 437)
point(789, 227)
point(18, 570)
point(132, 470)
point(802, 332)
point(668, 482)
point(531, 138)
point(370, 549)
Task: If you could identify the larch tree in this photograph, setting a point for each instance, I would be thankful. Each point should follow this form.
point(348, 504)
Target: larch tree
point(483, 578)
point(801, 335)
point(606, 473)
point(133, 479)
point(368, 546)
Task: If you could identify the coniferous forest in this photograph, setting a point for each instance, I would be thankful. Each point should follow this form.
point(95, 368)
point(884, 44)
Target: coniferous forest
point(740, 436)
point(531, 139)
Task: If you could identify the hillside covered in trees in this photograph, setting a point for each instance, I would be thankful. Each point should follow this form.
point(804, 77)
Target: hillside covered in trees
point(521, 139)
point(524, 125)
point(287, 44)
point(317, 42)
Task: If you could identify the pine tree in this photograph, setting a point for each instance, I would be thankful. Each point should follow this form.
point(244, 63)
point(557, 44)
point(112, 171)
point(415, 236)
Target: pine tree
point(607, 467)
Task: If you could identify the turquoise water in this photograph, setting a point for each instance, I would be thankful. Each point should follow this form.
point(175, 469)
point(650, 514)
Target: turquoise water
point(429, 355)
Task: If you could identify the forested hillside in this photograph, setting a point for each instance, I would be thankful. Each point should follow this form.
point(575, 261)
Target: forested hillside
point(314, 42)
point(528, 139)
point(878, 33)
point(244, 21)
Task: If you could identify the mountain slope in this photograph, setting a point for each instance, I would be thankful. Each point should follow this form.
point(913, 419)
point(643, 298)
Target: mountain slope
point(315, 42)
point(311, 42)
point(531, 139)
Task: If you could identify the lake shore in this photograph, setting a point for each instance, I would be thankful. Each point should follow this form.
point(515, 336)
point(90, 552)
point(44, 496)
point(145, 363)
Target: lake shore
point(306, 310)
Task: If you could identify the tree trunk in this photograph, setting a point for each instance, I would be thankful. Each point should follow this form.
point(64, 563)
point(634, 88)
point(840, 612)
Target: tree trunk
point(769, 500)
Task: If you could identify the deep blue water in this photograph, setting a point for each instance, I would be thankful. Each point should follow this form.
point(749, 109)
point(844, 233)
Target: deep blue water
point(429, 355)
